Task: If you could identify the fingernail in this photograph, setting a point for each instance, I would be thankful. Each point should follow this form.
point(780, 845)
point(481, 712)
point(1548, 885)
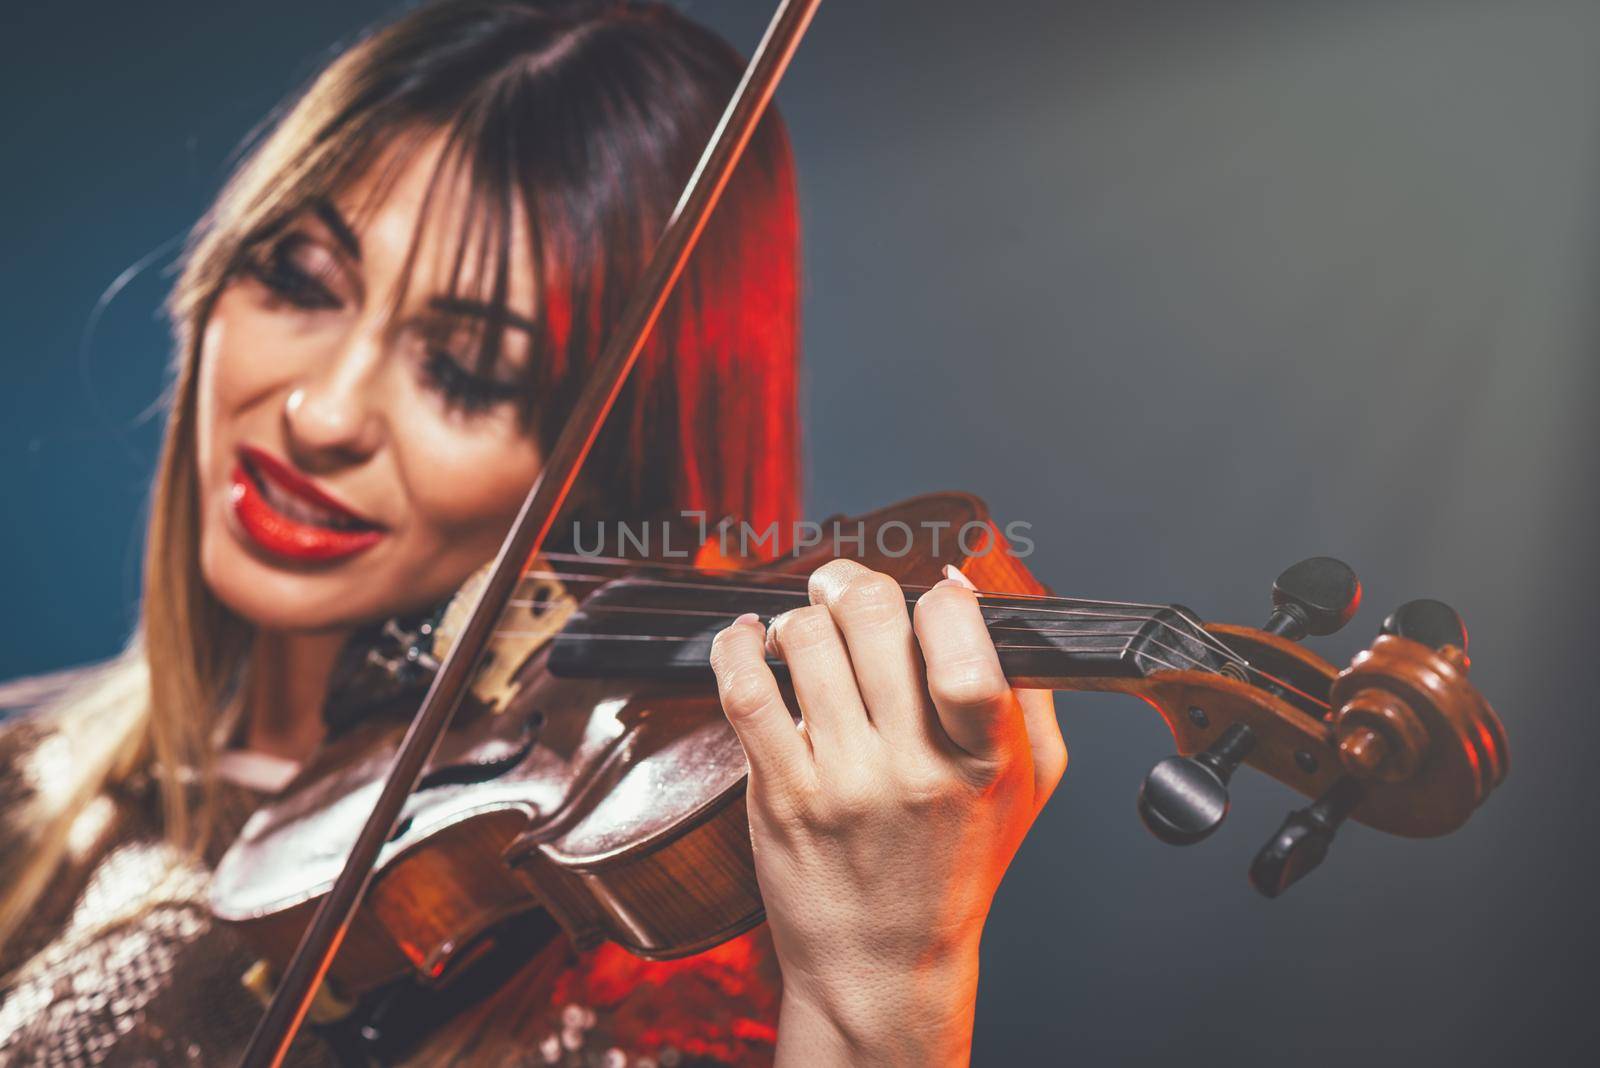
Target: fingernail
point(953, 574)
point(748, 618)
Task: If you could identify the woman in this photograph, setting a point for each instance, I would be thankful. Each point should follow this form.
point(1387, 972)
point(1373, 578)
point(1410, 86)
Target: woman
point(380, 325)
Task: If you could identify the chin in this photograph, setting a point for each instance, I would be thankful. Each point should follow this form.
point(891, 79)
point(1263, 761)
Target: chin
point(276, 598)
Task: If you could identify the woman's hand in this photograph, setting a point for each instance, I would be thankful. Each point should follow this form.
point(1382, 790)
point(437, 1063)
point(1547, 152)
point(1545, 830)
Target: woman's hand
point(883, 822)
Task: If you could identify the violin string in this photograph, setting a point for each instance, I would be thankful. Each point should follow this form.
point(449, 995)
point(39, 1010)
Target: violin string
point(1179, 652)
point(746, 575)
point(654, 610)
point(1046, 604)
point(989, 609)
point(1199, 632)
point(993, 623)
point(1125, 637)
point(990, 605)
point(1111, 636)
point(705, 640)
point(1194, 663)
point(992, 613)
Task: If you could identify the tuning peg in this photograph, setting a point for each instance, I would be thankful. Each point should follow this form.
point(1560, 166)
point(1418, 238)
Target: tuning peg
point(1315, 596)
point(1303, 840)
point(1184, 799)
point(1433, 623)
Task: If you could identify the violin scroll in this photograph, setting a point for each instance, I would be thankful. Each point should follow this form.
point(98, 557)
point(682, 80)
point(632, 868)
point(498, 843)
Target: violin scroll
point(1400, 740)
point(1401, 704)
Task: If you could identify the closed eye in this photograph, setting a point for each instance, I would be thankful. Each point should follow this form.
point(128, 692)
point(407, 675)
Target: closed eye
point(471, 393)
point(286, 267)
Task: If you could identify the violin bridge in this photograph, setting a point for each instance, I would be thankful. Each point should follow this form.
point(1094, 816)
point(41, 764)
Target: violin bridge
point(536, 612)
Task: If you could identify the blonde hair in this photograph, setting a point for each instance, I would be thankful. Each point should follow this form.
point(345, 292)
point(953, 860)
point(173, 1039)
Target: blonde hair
point(654, 84)
point(152, 707)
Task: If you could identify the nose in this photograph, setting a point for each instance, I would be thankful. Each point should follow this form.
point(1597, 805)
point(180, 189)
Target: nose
point(331, 416)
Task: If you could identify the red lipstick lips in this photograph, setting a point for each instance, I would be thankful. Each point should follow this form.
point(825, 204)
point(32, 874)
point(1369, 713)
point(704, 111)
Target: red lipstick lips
point(287, 515)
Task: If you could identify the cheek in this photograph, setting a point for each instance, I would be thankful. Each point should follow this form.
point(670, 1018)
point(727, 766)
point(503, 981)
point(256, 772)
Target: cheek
point(466, 485)
point(234, 372)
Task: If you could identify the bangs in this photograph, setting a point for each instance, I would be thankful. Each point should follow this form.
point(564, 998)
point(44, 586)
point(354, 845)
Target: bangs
point(479, 205)
point(480, 208)
point(529, 170)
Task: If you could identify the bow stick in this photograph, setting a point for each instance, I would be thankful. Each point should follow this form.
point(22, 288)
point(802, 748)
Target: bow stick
point(320, 943)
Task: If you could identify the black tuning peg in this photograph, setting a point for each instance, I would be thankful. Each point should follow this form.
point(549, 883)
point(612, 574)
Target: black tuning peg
point(1433, 623)
point(1303, 840)
point(1315, 596)
point(1184, 799)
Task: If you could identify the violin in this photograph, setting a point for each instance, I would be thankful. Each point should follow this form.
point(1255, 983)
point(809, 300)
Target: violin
point(592, 776)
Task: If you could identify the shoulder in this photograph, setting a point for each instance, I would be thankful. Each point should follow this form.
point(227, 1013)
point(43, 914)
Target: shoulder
point(57, 698)
point(31, 713)
point(57, 727)
point(21, 698)
point(62, 739)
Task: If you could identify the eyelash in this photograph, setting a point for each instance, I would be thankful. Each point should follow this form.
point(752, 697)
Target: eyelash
point(275, 268)
point(472, 394)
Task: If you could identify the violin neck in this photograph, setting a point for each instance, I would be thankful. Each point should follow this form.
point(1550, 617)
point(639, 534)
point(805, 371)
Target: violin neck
point(644, 627)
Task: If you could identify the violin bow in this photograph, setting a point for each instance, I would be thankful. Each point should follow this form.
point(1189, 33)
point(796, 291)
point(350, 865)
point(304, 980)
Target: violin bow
point(270, 1042)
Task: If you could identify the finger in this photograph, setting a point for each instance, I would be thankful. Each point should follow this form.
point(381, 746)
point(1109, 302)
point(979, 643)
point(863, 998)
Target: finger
point(751, 700)
point(1044, 739)
point(824, 680)
point(975, 703)
point(869, 608)
point(1044, 730)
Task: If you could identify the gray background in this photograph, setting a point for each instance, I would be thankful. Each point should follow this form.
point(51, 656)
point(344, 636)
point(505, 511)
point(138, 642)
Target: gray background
point(1195, 289)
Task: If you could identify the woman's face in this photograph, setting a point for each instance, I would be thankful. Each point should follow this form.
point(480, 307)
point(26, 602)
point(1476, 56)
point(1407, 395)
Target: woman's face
point(351, 463)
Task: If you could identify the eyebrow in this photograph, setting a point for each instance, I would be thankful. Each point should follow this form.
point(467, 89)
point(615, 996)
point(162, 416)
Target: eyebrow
point(336, 225)
point(479, 310)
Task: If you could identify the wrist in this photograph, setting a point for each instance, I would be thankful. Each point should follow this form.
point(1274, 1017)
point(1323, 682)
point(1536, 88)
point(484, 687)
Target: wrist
point(882, 1016)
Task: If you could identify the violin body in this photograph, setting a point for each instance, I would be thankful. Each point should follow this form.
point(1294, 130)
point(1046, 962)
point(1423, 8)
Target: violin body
point(591, 772)
point(615, 803)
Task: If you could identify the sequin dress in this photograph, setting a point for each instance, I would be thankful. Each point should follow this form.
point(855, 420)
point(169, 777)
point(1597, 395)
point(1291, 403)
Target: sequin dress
point(120, 963)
